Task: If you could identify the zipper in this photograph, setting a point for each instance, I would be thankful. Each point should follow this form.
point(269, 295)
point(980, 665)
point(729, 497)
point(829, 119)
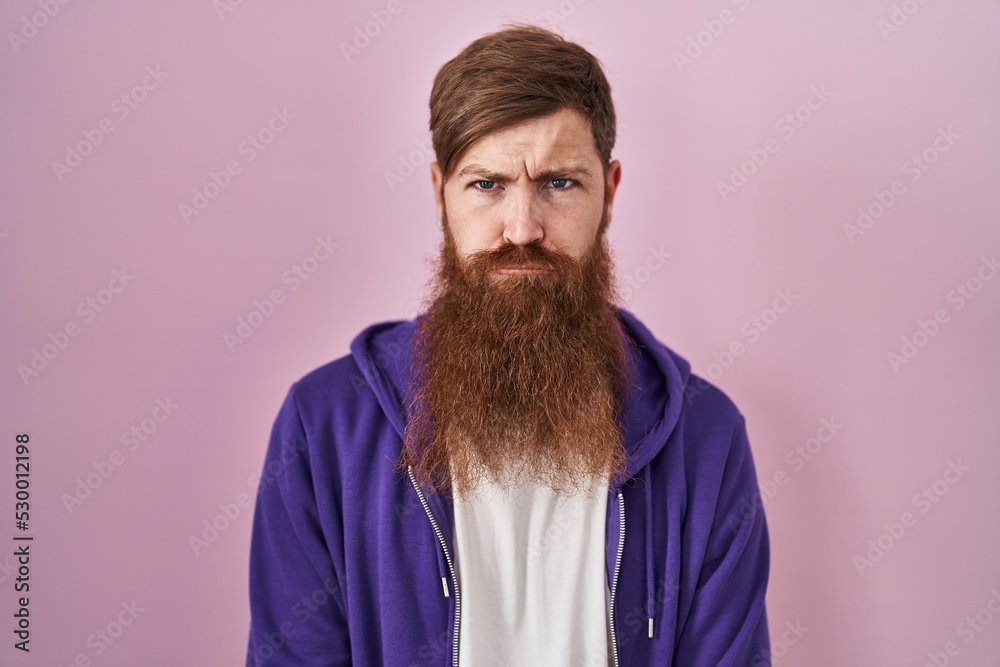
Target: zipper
point(451, 569)
point(614, 583)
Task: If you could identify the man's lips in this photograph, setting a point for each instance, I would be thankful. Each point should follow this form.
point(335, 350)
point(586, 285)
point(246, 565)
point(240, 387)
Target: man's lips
point(523, 270)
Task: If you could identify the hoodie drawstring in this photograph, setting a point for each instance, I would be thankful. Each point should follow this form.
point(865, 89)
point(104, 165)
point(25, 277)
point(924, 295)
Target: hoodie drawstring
point(649, 549)
point(442, 570)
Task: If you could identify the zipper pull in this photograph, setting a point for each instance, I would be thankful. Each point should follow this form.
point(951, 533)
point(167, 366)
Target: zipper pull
point(444, 584)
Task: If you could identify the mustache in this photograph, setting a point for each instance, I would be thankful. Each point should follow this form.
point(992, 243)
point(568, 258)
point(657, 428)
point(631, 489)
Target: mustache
point(511, 255)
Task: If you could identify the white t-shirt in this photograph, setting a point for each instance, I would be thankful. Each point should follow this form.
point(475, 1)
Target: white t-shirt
point(532, 577)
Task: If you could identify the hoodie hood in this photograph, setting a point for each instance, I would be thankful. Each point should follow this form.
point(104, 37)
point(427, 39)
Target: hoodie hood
point(649, 414)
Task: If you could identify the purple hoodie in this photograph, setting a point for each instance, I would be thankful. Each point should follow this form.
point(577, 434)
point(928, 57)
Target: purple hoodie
point(351, 564)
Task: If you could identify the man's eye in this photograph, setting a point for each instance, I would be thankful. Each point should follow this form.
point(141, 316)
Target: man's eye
point(561, 183)
point(485, 185)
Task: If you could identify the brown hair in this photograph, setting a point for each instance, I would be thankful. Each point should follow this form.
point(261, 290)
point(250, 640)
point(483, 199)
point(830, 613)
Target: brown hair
point(510, 76)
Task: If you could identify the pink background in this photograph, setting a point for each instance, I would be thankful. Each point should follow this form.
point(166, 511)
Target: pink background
point(682, 130)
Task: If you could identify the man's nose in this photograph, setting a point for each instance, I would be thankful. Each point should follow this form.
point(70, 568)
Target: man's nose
point(523, 223)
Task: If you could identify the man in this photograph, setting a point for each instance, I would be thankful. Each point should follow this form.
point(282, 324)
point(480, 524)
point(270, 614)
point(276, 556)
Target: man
point(523, 474)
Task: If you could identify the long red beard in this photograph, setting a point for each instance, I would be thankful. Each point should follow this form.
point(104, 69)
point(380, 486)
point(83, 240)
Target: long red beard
point(518, 377)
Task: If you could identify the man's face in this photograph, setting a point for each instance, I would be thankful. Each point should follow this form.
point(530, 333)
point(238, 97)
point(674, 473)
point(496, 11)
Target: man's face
point(539, 182)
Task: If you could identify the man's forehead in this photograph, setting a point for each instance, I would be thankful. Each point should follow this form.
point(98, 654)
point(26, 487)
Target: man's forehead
point(560, 165)
point(560, 141)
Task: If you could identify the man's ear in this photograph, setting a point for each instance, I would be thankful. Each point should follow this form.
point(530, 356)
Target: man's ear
point(437, 179)
point(611, 185)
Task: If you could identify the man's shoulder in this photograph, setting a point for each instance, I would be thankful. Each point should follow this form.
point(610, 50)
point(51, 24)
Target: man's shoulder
point(704, 399)
point(360, 387)
point(333, 409)
point(329, 374)
point(338, 382)
point(711, 420)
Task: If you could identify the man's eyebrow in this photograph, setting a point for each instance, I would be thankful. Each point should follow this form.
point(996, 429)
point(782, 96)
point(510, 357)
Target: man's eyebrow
point(551, 172)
